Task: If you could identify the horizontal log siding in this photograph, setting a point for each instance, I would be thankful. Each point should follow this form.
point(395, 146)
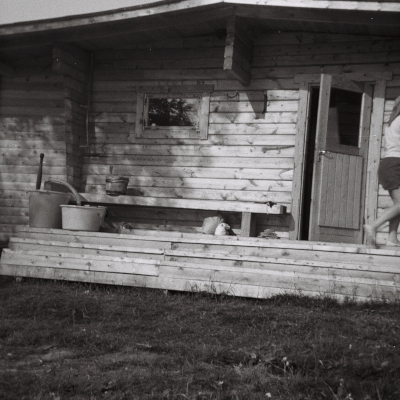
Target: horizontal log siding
point(248, 155)
point(249, 152)
point(32, 121)
point(75, 128)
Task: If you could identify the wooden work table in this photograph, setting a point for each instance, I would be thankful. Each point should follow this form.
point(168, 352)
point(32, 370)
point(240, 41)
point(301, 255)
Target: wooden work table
point(248, 210)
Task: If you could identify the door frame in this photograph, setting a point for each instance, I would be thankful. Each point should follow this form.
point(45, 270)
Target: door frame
point(305, 82)
point(333, 225)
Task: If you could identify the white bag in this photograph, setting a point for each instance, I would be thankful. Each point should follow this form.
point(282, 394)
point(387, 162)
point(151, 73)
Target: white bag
point(211, 223)
point(222, 229)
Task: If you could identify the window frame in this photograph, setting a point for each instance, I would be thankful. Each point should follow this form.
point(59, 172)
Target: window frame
point(173, 132)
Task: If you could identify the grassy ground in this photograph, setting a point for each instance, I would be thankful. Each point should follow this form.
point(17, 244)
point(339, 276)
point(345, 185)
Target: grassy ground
point(76, 341)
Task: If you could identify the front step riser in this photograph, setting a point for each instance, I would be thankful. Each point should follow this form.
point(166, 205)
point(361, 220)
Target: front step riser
point(236, 248)
point(250, 268)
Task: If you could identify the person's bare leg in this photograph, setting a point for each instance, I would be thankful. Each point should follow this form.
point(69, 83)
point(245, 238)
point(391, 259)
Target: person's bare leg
point(394, 222)
point(391, 214)
point(393, 228)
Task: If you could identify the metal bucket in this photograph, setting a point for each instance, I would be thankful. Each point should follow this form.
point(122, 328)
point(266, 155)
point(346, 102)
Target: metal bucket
point(45, 210)
point(116, 185)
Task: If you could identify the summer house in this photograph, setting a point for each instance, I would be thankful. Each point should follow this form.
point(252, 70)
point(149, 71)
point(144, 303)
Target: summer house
point(268, 113)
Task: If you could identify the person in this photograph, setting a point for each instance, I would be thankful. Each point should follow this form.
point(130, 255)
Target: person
point(389, 178)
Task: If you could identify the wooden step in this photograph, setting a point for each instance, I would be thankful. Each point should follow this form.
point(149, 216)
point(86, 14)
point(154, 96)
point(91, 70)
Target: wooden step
point(17, 243)
point(239, 260)
point(388, 272)
point(166, 274)
point(172, 236)
point(249, 267)
point(200, 243)
point(285, 280)
point(82, 262)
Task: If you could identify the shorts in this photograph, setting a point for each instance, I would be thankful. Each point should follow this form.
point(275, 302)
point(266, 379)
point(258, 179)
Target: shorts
point(389, 173)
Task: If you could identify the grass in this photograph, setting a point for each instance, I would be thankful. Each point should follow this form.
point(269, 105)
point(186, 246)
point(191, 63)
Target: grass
point(76, 341)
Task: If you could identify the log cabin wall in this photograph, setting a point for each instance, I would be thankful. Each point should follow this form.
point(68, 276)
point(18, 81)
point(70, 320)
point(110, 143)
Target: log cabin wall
point(74, 65)
point(249, 152)
point(248, 155)
point(32, 121)
point(41, 112)
point(74, 129)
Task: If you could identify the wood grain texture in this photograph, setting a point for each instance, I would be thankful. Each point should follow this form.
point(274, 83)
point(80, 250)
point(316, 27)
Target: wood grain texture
point(237, 266)
point(254, 141)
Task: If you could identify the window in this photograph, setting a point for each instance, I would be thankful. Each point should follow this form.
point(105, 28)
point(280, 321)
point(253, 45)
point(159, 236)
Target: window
point(345, 108)
point(173, 111)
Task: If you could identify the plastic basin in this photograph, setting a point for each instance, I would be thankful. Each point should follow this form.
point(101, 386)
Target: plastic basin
point(82, 218)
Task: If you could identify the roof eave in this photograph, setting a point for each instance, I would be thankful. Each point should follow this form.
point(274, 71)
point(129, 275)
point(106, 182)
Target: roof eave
point(161, 7)
point(135, 12)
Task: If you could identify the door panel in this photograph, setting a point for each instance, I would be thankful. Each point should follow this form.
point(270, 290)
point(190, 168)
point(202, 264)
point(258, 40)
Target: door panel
point(340, 194)
point(340, 160)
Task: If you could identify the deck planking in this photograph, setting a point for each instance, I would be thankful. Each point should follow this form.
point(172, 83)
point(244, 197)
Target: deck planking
point(249, 267)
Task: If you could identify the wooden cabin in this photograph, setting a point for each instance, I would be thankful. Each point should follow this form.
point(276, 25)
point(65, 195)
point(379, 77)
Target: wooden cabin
point(287, 103)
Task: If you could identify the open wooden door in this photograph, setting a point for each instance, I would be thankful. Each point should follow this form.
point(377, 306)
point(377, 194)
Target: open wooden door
point(340, 160)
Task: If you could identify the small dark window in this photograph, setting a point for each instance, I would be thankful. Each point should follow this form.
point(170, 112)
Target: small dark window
point(173, 112)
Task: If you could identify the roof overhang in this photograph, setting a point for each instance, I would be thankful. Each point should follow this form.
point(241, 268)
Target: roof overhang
point(162, 14)
point(153, 8)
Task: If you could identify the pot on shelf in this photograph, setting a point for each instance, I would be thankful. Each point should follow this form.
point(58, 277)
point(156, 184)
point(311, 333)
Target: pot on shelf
point(116, 185)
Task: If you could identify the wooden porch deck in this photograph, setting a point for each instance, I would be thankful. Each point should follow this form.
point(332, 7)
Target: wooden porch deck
point(248, 267)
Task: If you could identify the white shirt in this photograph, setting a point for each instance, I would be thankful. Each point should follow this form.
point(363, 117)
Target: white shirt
point(392, 139)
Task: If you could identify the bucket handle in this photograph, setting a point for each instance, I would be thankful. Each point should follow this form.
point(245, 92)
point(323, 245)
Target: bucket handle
point(71, 188)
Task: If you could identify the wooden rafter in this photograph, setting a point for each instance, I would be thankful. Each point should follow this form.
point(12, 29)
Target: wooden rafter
point(238, 51)
point(171, 13)
point(367, 16)
point(6, 69)
point(154, 8)
point(107, 27)
point(70, 60)
point(76, 65)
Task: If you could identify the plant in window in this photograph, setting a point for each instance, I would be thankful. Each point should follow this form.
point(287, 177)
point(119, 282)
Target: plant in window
point(173, 111)
point(170, 112)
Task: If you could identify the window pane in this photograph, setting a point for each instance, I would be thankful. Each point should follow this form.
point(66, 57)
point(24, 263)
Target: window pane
point(173, 112)
point(344, 117)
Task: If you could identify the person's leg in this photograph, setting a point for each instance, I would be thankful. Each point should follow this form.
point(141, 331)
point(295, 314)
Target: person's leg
point(394, 222)
point(391, 214)
point(393, 228)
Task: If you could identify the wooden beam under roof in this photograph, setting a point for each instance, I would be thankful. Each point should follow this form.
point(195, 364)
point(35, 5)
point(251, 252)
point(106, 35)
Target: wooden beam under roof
point(294, 12)
point(153, 8)
point(62, 33)
point(6, 69)
point(335, 15)
point(344, 5)
point(280, 9)
point(238, 51)
point(68, 58)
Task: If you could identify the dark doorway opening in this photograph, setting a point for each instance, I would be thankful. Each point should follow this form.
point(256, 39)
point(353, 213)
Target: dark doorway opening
point(309, 163)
